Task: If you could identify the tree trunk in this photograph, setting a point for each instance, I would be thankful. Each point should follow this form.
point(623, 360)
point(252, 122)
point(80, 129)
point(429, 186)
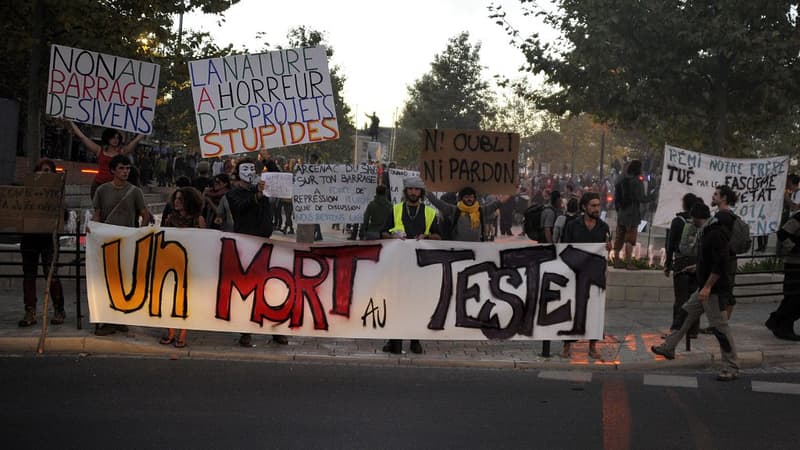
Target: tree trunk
point(720, 112)
point(33, 131)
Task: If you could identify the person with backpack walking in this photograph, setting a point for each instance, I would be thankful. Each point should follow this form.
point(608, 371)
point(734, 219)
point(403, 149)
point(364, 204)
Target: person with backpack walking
point(467, 217)
point(683, 282)
point(628, 197)
point(739, 241)
point(713, 259)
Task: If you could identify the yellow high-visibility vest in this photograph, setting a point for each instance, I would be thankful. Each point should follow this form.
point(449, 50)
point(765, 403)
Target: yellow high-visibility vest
point(430, 216)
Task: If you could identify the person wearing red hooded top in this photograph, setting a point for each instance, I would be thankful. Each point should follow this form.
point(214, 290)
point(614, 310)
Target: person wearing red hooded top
point(109, 147)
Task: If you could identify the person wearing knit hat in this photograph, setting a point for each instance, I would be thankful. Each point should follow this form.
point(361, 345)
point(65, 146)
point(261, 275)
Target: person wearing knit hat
point(413, 220)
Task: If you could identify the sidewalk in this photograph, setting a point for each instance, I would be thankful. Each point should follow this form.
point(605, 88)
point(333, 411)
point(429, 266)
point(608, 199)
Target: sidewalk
point(630, 331)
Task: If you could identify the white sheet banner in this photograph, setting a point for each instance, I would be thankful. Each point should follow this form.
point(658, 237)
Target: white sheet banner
point(103, 90)
point(244, 103)
point(210, 280)
point(759, 183)
point(333, 193)
point(278, 184)
point(396, 182)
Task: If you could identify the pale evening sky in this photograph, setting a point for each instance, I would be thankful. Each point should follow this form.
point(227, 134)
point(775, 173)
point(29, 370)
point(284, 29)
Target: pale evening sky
point(381, 46)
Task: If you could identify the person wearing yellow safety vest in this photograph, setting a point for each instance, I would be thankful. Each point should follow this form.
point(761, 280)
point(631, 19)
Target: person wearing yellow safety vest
point(410, 219)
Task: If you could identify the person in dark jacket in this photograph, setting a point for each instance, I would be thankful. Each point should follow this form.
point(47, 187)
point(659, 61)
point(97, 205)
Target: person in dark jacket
point(713, 260)
point(629, 215)
point(375, 216)
point(683, 282)
point(251, 215)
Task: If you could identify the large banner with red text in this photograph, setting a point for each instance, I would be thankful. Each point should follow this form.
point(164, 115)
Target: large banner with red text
point(243, 103)
point(205, 279)
point(103, 90)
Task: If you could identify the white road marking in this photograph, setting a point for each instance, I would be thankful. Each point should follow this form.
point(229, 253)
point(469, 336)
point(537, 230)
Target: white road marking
point(566, 375)
point(670, 380)
point(776, 388)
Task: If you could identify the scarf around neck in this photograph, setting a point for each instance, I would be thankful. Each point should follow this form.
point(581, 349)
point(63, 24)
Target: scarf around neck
point(473, 212)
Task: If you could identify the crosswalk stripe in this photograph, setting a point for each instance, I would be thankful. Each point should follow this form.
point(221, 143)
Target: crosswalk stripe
point(776, 388)
point(670, 380)
point(566, 375)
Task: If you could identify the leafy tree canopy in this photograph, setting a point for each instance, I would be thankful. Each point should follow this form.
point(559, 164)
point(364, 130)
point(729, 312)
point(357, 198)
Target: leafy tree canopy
point(720, 76)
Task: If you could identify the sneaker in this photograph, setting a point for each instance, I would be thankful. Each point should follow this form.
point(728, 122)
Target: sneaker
point(244, 340)
point(663, 351)
point(416, 347)
point(29, 318)
point(393, 346)
point(104, 329)
point(280, 339)
point(58, 317)
point(727, 375)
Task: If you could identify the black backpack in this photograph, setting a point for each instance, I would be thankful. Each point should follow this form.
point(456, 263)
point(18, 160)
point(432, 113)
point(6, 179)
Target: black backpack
point(532, 225)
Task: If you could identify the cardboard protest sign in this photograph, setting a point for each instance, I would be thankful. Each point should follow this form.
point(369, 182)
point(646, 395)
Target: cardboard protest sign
point(396, 182)
point(277, 184)
point(454, 159)
point(205, 279)
point(244, 103)
point(759, 183)
point(36, 207)
point(103, 90)
point(333, 193)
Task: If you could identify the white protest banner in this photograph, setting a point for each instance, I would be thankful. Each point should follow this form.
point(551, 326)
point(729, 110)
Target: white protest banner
point(244, 103)
point(333, 193)
point(103, 90)
point(204, 279)
point(396, 182)
point(759, 183)
point(277, 184)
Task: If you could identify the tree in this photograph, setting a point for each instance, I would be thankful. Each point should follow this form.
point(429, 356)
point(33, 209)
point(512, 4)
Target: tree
point(451, 95)
point(117, 27)
point(716, 76)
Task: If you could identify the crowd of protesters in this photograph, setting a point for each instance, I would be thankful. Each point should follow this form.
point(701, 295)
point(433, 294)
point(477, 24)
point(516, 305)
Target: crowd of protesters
point(226, 194)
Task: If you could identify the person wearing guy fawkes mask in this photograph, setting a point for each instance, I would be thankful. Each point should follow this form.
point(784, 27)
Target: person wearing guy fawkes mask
point(410, 219)
point(251, 214)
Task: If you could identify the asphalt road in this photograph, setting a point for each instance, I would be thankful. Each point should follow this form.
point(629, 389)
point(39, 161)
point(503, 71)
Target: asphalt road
point(94, 402)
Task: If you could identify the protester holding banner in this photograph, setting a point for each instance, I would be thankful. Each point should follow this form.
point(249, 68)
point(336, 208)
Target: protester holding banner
point(119, 203)
point(587, 228)
point(468, 216)
point(36, 247)
point(110, 146)
point(628, 201)
point(187, 208)
point(251, 214)
point(410, 219)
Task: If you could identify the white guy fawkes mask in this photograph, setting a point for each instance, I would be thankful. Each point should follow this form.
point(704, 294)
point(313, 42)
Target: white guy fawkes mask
point(247, 172)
